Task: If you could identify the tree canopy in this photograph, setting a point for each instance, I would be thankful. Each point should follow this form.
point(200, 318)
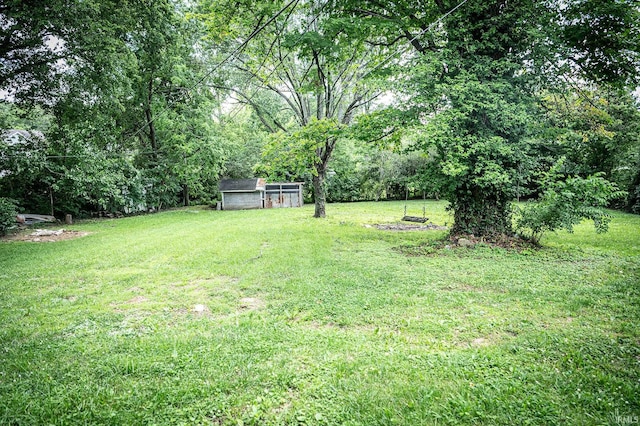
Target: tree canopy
point(146, 105)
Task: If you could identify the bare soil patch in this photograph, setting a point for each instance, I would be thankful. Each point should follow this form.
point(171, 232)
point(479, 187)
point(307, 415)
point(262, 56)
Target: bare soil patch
point(481, 342)
point(44, 235)
point(410, 227)
point(251, 303)
point(512, 242)
point(136, 300)
point(467, 242)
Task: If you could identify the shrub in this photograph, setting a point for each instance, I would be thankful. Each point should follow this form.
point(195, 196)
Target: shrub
point(8, 214)
point(565, 203)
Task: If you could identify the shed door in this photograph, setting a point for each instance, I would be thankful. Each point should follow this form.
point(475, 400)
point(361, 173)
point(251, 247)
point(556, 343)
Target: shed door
point(282, 195)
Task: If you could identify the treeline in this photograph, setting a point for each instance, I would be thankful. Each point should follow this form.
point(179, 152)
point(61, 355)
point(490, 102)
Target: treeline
point(112, 87)
point(147, 105)
point(592, 131)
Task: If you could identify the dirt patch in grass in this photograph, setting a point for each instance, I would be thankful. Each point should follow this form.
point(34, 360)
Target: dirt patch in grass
point(512, 242)
point(318, 325)
point(467, 243)
point(480, 342)
point(125, 306)
point(44, 235)
point(205, 288)
point(410, 227)
point(251, 303)
point(136, 300)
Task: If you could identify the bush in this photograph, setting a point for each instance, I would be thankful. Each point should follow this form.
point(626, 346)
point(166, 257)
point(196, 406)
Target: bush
point(8, 214)
point(565, 203)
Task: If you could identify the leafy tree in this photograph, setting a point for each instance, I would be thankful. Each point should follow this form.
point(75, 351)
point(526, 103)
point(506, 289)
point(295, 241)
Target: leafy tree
point(597, 40)
point(475, 79)
point(31, 33)
point(565, 202)
point(598, 131)
point(8, 212)
point(483, 119)
point(366, 172)
point(131, 123)
point(12, 116)
point(315, 63)
point(242, 144)
point(25, 175)
point(44, 42)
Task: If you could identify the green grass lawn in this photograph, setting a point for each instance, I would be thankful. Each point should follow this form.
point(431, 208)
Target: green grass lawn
point(273, 317)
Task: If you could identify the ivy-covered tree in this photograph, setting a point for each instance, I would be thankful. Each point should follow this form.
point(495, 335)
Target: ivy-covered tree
point(471, 80)
point(478, 69)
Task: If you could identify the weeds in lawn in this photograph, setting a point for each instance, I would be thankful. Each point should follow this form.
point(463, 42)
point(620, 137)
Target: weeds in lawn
point(273, 317)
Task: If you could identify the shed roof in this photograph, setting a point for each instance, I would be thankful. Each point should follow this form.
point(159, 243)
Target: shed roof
point(242, 185)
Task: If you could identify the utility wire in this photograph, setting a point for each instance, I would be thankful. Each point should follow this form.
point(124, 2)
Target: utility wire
point(414, 38)
point(188, 91)
point(237, 110)
point(220, 64)
point(254, 34)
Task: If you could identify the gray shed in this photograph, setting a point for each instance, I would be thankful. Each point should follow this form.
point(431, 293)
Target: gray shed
point(240, 194)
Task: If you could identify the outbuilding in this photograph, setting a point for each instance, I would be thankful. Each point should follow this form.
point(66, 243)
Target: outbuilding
point(283, 194)
point(241, 194)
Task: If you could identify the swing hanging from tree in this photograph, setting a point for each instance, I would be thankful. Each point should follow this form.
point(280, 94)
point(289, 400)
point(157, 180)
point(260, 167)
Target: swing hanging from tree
point(417, 219)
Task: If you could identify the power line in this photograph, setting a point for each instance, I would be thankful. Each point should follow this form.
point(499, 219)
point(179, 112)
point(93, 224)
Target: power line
point(220, 64)
point(240, 47)
point(402, 51)
point(185, 93)
point(236, 110)
point(414, 38)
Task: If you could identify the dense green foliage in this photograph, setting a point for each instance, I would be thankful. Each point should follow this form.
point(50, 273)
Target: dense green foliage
point(564, 203)
point(481, 135)
point(596, 132)
point(327, 322)
point(312, 64)
point(8, 214)
point(147, 105)
point(475, 84)
point(129, 128)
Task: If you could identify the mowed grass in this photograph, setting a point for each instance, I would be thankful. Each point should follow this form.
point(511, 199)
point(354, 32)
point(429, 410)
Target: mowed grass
point(196, 316)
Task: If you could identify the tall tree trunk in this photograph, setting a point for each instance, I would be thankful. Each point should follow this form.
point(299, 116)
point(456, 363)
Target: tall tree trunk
point(319, 193)
point(51, 198)
point(185, 195)
point(152, 127)
point(152, 133)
